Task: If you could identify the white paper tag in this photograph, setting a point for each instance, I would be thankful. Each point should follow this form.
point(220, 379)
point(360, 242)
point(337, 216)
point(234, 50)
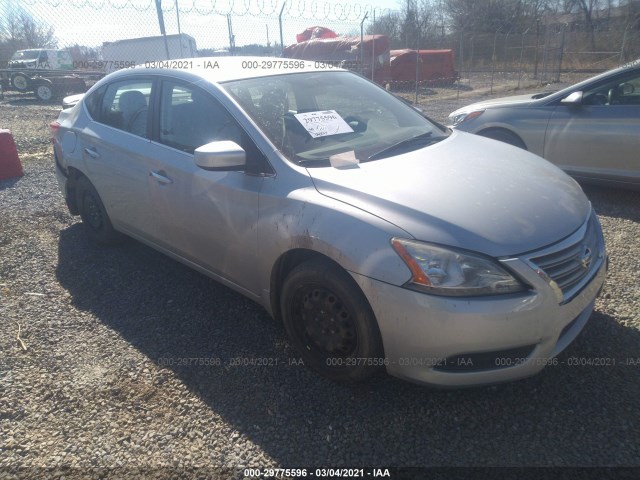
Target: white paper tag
point(323, 124)
point(345, 159)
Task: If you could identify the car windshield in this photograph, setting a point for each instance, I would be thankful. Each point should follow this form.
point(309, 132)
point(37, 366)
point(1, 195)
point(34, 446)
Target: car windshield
point(313, 116)
point(25, 55)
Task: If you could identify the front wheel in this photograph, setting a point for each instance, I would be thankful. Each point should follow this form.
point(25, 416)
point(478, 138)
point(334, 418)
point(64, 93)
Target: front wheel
point(93, 214)
point(330, 323)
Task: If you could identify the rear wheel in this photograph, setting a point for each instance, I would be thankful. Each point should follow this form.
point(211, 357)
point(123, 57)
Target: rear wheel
point(20, 82)
point(504, 136)
point(93, 214)
point(330, 323)
point(44, 92)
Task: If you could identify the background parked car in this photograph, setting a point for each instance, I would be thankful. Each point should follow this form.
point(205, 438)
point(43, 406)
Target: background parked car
point(591, 129)
point(18, 76)
point(45, 58)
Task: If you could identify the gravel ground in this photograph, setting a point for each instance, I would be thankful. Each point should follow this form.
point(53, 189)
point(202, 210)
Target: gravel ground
point(96, 380)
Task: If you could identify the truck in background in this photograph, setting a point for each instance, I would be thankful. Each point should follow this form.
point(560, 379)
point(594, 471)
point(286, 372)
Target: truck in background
point(51, 73)
point(138, 51)
point(346, 52)
point(46, 72)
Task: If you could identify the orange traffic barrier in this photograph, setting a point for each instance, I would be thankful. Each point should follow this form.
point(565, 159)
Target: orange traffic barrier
point(10, 166)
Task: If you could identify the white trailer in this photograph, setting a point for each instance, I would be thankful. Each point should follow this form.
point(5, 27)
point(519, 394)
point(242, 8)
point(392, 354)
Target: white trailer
point(137, 51)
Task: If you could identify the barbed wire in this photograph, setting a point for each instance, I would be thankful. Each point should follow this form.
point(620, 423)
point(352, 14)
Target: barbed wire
point(296, 9)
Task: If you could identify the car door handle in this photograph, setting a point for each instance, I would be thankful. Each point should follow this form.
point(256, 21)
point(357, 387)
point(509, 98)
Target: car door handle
point(161, 177)
point(92, 152)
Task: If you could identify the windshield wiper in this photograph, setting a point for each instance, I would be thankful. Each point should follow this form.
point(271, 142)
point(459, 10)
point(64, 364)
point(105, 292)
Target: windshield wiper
point(311, 162)
point(408, 142)
point(538, 96)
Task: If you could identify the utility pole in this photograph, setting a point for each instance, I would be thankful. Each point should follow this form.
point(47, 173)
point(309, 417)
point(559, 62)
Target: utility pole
point(280, 24)
point(163, 32)
point(362, 43)
point(179, 31)
point(232, 37)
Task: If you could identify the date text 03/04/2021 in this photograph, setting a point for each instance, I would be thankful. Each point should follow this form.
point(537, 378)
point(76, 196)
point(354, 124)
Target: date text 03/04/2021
point(317, 472)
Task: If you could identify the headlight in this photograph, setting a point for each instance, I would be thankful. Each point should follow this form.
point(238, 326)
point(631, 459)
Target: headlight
point(463, 117)
point(443, 271)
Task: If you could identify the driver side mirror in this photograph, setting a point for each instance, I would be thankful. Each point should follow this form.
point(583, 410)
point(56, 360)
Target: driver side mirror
point(224, 155)
point(573, 99)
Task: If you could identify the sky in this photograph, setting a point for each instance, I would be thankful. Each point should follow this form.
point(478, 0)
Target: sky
point(92, 22)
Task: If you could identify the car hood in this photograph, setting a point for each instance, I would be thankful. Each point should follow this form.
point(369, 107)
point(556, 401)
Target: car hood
point(466, 191)
point(519, 100)
point(22, 63)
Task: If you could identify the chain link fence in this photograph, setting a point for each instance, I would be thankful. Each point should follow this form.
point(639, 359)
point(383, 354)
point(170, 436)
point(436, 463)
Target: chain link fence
point(98, 34)
point(247, 27)
point(543, 54)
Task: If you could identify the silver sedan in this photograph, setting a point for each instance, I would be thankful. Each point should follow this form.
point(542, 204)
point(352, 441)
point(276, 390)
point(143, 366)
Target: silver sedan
point(381, 239)
point(591, 130)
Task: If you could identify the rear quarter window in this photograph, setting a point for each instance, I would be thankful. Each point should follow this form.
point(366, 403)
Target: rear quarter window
point(93, 101)
point(123, 105)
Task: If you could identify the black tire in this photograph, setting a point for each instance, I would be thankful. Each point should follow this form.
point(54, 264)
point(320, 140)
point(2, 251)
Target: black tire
point(330, 323)
point(44, 91)
point(504, 136)
point(93, 214)
point(20, 82)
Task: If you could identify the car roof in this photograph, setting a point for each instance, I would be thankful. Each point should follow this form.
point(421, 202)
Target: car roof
point(224, 69)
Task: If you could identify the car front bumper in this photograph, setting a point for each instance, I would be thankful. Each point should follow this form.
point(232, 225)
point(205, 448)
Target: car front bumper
point(453, 342)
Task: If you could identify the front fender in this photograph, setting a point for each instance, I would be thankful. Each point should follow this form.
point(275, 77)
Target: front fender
point(305, 219)
point(530, 124)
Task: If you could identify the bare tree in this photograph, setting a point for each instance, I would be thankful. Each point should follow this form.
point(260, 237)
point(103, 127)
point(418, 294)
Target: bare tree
point(412, 27)
point(420, 23)
point(388, 24)
point(588, 8)
point(9, 28)
point(81, 53)
point(36, 34)
point(486, 16)
point(20, 30)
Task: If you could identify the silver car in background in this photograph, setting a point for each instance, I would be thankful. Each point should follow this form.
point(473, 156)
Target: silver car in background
point(381, 239)
point(591, 130)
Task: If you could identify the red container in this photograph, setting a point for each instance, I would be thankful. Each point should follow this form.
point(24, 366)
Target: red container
point(435, 66)
point(10, 166)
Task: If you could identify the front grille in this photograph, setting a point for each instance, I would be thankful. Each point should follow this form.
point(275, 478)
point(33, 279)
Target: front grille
point(569, 267)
